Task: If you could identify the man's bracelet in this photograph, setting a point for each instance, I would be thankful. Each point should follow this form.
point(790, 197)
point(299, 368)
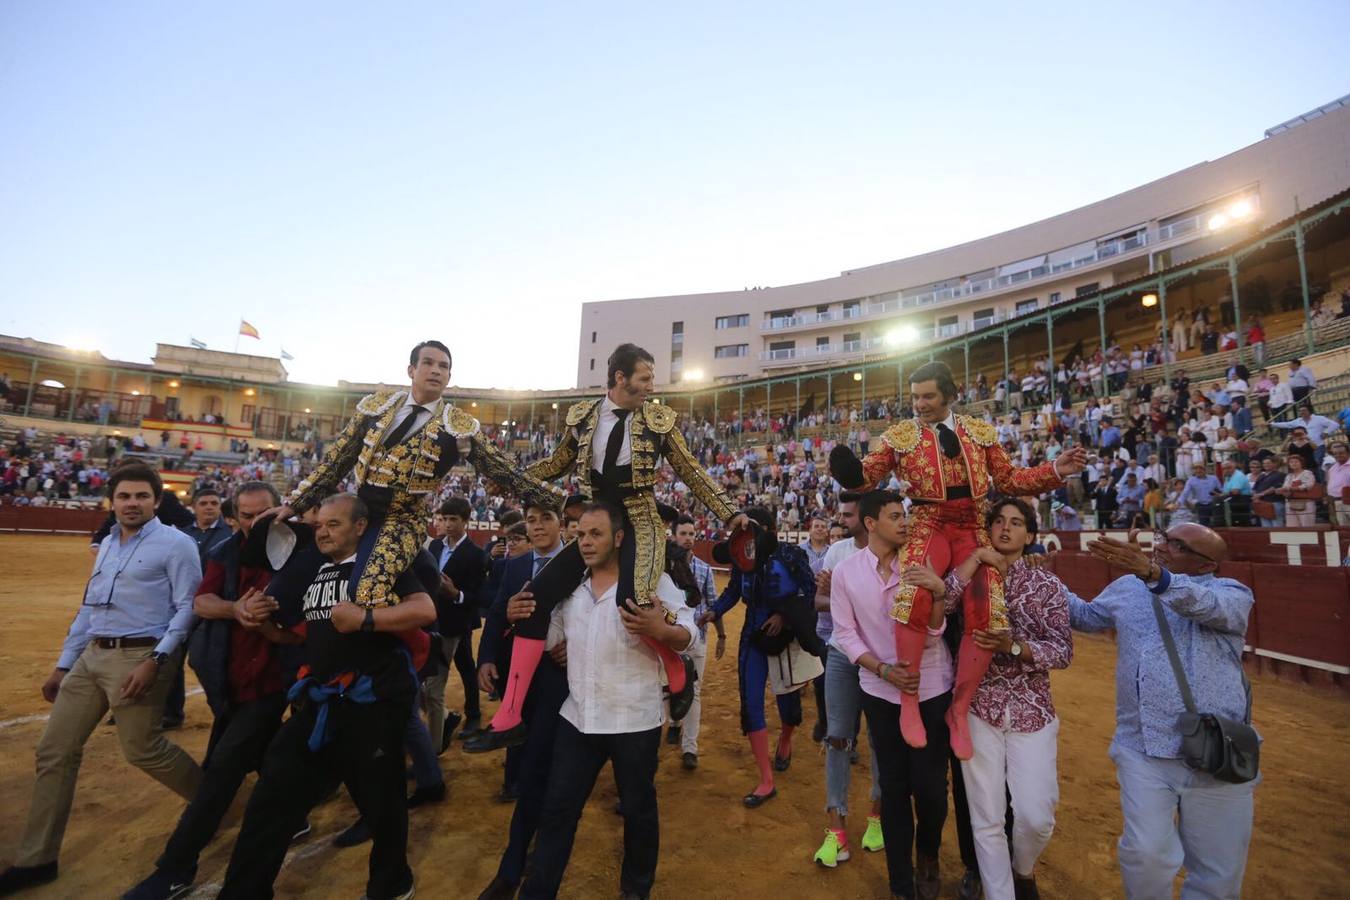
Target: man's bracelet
point(882, 668)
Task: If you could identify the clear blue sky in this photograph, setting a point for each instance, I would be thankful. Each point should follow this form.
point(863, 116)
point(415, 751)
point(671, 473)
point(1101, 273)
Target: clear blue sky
point(351, 177)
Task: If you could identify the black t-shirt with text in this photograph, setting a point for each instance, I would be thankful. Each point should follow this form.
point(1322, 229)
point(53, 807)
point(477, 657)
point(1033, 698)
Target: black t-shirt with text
point(331, 653)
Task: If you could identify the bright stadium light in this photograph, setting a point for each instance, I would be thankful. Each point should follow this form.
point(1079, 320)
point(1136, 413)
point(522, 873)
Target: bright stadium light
point(555, 406)
point(694, 375)
point(306, 410)
point(857, 376)
point(902, 336)
point(1149, 300)
point(1217, 221)
point(135, 393)
point(1240, 209)
point(173, 384)
point(53, 383)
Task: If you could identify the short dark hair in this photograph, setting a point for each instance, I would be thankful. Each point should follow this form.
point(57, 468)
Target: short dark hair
point(510, 517)
point(456, 506)
point(610, 510)
point(761, 516)
point(355, 505)
point(227, 509)
point(417, 351)
point(625, 359)
point(684, 520)
point(1023, 507)
point(872, 502)
point(135, 471)
point(205, 492)
point(850, 496)
point(936, 370)
point(542, 502)
point(249, 487)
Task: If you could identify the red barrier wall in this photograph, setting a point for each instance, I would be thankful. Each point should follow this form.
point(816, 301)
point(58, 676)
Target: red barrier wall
point(51, 519)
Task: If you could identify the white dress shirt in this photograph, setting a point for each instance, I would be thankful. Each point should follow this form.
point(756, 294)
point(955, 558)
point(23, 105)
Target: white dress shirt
point(410, 407)
point(613, 678)
point(600, 440)
point(1281, 395)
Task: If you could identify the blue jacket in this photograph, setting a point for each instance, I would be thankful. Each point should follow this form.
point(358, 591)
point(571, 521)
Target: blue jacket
point(495, 644)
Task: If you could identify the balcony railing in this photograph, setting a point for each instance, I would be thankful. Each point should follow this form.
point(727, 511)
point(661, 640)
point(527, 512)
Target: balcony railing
point(974, 287)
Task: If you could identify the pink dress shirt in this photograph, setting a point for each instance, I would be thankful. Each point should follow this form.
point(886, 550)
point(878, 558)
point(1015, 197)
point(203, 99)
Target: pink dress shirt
point(860, 603)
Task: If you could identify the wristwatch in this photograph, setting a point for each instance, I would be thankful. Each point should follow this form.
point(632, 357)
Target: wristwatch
point(160, 658)
point(368, 624)
point(1015, 651)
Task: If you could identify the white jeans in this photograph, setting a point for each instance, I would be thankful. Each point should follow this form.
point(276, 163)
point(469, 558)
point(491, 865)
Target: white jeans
point(1024, 764)
point(698, 652)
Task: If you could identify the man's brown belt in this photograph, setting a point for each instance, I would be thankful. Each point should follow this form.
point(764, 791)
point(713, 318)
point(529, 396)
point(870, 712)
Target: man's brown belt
point(126, 643)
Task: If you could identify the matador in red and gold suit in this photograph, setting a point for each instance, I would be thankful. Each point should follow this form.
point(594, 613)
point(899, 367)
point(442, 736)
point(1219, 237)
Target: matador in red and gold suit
point(949, 491)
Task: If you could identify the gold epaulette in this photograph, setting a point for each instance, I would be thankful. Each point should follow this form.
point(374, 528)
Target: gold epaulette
point(903, 437)
point(577, 412)
point(980, 431)
point(660, 418)
point(459, 423)
point(378, 403)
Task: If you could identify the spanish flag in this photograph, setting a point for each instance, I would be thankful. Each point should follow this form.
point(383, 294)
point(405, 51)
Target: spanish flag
point(248, 330)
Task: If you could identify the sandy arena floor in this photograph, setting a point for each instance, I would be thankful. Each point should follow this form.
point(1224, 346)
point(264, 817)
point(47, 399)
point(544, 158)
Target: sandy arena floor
point(711, 846)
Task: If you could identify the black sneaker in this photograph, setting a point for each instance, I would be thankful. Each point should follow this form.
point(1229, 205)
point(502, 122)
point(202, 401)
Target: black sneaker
point(673, 735)
point(689, 761)
point(159, 886)
point(452, 720)
point(16, 878)
point(472, 725)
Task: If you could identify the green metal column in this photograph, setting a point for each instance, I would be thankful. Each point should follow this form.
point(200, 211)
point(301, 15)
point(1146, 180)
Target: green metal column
point(286, 429)
point(74, 395)
point(1299, 246)
point(1050, 345)
point(862, 404)
point(768, 399)
point(829, 400)
point(715, 419)
point(1166, 335)
point(1101, 331)
point(1007, 388)
point(32, 378)
point(965, 347)
point(740, 410)
point(797, 410)
point(1237, 306)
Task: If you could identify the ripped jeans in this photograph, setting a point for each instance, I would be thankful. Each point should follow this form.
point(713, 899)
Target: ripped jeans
point(843, 706)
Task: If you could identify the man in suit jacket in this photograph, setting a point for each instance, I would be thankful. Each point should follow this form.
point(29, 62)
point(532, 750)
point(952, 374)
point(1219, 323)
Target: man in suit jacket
point(527, 765)
point(461, 563)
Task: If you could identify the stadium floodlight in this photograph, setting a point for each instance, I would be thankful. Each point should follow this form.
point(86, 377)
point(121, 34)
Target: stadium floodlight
point(249, 392)
point(1217, 221)
point(555, 406)
point(1149, 300)
point(173, 384)
point(694, 375)
point(857, 376)
point(307, 410)
point(1240, 209)
point(53, 383)
point(903, 336)
point(135, 393)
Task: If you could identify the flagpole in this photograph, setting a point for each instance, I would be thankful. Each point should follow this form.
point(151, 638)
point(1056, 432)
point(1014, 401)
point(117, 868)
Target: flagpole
point(237, 332)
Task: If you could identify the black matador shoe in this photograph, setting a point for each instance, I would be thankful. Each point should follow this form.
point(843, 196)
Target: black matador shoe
point(681, 702)
point(488, 740)
point(846, 468)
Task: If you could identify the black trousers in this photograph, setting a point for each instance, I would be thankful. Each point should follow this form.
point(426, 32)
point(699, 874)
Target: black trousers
point(366, 754)
point(533, 760)
point(577, 761)
point(239, 741)
point(913, 785)
point(564, 573)
point(468, 673)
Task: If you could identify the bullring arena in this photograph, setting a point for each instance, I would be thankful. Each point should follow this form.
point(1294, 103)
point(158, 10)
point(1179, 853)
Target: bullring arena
point(711, 845)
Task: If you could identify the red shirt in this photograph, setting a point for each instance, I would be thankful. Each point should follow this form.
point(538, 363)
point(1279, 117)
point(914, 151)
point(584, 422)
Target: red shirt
point(254, 670)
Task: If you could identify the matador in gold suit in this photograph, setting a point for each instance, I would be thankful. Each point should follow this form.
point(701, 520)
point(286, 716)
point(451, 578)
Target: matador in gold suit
point(948, 490)
point(394, 475)
point(622, 471)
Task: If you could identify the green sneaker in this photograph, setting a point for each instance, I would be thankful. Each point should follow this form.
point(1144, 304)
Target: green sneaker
point(832, 852)
point(873, 840)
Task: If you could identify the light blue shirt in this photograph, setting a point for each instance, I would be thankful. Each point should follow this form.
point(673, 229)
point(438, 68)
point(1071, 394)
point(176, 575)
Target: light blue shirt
point(143, 588)
point(1130, 497)
point(1237, 482)
point(707, 590)
point(1200, 489)
point(1208, 617)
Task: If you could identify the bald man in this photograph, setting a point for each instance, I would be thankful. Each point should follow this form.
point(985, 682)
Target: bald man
point(1174, 814)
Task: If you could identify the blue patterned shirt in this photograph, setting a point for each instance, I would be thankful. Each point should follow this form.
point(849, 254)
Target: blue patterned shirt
point(707, 590)
point(1208, 616)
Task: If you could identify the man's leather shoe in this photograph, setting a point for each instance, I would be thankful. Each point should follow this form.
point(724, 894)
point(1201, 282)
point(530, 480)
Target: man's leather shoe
point(16, 878)
point(1025, 888)
point(498, 889)
point(452, 720)
point(357, 833)
point(488, 740)
point(971, 886)
point(681, 702)
point(472, 726)
point(424, 795)
point(689, 761)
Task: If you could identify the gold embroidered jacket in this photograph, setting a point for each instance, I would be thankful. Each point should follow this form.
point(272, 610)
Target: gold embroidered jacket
point(911, 449)
point(414, 466)
point(653, 435)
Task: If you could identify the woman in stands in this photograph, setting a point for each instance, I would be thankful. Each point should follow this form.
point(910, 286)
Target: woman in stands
point(1298, 512)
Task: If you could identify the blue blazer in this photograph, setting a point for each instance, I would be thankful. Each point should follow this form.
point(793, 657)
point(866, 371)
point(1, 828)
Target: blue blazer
point(493, 646)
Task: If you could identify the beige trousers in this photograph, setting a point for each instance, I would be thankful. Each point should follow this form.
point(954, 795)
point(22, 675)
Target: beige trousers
point(434, 693)
point(89, 689)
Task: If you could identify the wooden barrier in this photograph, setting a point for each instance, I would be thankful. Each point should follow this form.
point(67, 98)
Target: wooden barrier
point(51, 519)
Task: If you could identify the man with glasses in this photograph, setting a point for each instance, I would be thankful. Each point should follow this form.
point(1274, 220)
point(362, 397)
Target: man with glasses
point(1174, 815)
point(120, 653)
